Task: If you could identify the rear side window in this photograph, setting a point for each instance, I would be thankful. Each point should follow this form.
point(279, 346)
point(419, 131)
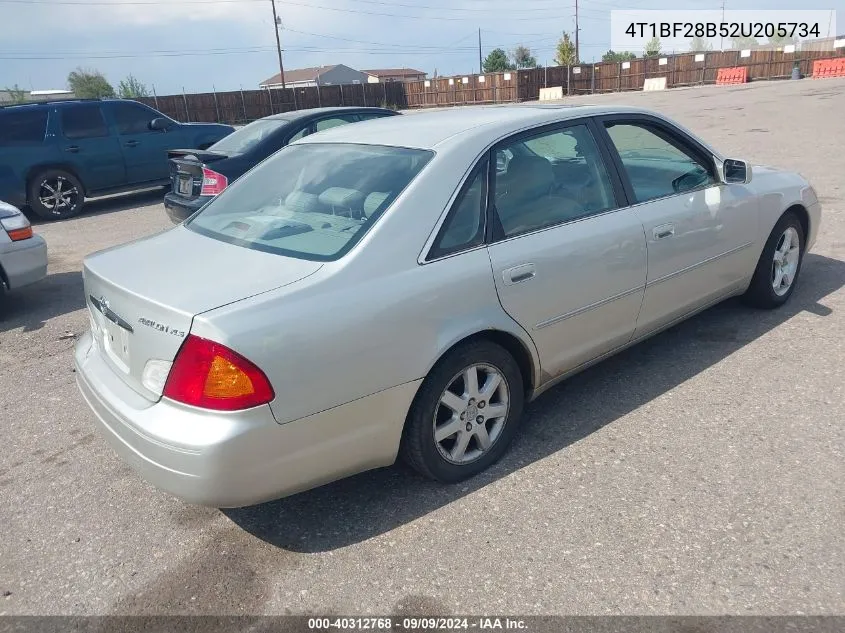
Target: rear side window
point(464, 226)
point(325, 124)
point(83, 121)
point(132, 119)
point(25, 127)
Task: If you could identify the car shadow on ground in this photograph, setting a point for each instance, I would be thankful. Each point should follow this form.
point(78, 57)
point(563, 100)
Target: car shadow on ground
point(111, 204)
point(32, 306)
point(372, 503)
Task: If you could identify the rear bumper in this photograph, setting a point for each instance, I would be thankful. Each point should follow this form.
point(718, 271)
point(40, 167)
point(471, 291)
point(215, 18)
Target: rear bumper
point(180, 209)
point(24, 262)
point(242, 458)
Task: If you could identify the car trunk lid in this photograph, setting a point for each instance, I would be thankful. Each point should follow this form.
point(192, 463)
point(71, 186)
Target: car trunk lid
point(142, 297)
point(186, 169)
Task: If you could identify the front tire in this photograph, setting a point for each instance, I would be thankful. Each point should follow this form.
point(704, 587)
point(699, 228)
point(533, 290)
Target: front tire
point(466, 413)
point(779, 265)
point(55, 194)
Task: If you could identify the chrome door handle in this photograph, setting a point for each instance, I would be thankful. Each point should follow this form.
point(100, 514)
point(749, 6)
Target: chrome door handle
point(663, 231)
point(514, 275)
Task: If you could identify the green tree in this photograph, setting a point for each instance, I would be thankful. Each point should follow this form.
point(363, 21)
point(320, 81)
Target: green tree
point(700, 45)
point(777, 40)
point(497, 61)
point(744, 42)
point(523, 58)
point(652, 47)
point(89, 84)
point(131, 88)
point(565, 52)
point(613, 56)
point(16, 94)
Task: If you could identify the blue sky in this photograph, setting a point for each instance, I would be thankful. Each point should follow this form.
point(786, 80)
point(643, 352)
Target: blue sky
point(197, 44)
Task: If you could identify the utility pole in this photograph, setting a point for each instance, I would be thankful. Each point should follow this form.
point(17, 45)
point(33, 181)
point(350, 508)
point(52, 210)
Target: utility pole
point(721, 38)
point(277, 23)
point(577, 51)
point(480, 64)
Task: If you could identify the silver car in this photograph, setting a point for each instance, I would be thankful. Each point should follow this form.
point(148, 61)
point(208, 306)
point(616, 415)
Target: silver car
point(403, 287)
point(23, 254)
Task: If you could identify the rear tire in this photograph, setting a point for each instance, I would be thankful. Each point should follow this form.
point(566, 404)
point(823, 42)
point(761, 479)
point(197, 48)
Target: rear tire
point(55, 194)
point(452, 442)
point(780, 263)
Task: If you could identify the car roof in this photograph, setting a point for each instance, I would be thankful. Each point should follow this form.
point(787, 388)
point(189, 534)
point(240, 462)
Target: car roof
point(297, 115)
point(430, 129)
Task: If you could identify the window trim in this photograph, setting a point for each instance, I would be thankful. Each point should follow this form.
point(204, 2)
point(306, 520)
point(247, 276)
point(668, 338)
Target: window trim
point(620, 198)
point(480, 168)
point(698, 151)
point(110, 132)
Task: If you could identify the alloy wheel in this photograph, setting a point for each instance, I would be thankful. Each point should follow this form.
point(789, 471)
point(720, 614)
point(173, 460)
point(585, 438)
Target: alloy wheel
point(785, 261)
point(471, 413)
point(58, 194)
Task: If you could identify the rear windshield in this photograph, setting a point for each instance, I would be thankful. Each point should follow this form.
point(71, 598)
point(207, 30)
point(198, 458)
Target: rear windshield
point(249, 136)
point(23, 127)
point(312, 201)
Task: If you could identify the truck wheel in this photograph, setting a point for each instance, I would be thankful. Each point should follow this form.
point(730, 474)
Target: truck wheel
point(55, 194)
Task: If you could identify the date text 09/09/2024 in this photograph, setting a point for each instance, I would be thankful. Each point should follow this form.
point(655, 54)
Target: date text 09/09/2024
point(723, 29)
point(379, 624)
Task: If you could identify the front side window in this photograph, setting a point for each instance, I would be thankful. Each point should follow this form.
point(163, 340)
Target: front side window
point(130, 118)
point(464, 225)
point(312, 201)
point(23, 127)
point(247, 137)
point(656, 163)
point(83, 121)
point(553, 177)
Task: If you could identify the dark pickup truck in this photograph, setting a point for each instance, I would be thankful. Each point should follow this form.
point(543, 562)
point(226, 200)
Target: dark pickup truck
point(55, 154)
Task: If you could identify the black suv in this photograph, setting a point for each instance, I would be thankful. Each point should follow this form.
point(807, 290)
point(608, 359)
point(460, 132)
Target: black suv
point(55, 154)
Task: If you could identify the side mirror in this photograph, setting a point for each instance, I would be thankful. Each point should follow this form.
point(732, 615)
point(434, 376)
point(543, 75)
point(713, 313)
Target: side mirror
point(736, 171)
point(159, 124)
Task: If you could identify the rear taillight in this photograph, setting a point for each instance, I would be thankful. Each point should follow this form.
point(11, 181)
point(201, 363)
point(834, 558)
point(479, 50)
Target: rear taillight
point(212, 182)
point(17, 226)
point(211, 376)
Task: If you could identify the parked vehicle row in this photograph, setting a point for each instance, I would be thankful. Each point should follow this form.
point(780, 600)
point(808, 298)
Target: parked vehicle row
point(402, 287)
point(53, 155)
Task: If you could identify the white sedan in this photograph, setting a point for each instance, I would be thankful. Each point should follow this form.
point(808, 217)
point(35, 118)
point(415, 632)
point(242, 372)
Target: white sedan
point(23, 255)
point(404, 286)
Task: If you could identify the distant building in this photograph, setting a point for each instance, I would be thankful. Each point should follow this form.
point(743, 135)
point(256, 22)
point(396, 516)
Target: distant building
point(320, 76)
point(6, 96)
point(384, 75)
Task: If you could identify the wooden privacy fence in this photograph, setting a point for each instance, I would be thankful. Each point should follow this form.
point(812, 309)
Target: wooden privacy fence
point(685, 69)
point(462, 90)
point(243, 106)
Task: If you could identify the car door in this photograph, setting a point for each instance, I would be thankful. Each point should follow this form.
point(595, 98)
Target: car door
point(698, 230)
point(144, 150)
point(569, 260)
point(88, 144)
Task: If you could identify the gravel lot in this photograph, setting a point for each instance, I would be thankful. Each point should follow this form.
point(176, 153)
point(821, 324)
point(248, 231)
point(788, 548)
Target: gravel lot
point(698, 473)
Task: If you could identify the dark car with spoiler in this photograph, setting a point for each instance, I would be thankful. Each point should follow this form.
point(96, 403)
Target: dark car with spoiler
point(197, 176)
